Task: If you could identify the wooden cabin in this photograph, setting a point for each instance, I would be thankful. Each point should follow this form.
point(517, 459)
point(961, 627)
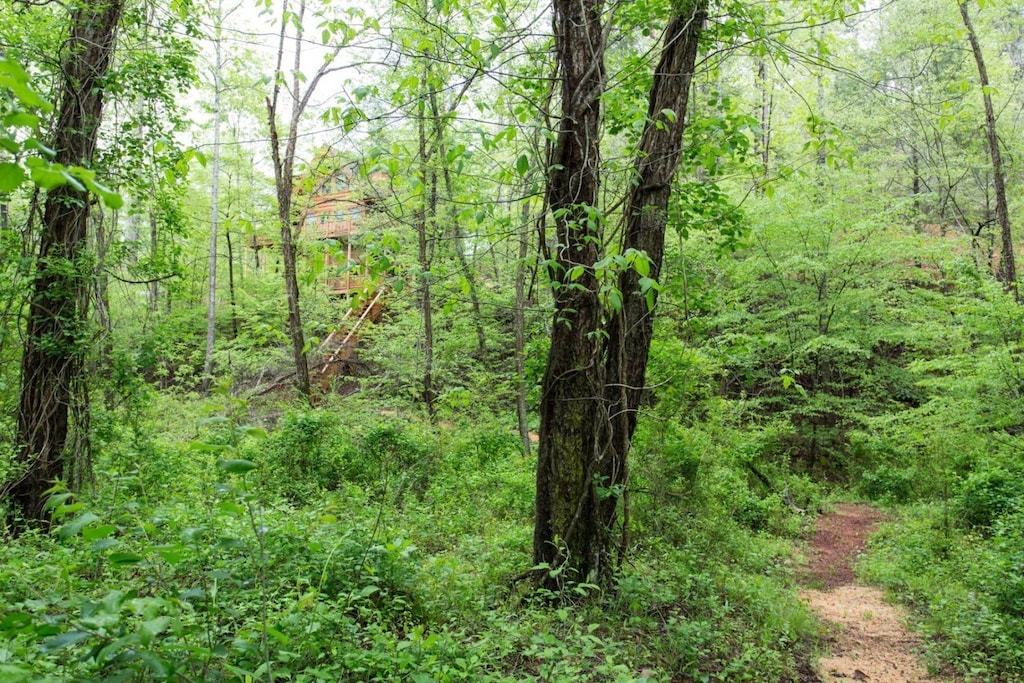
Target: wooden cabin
point(335, 209)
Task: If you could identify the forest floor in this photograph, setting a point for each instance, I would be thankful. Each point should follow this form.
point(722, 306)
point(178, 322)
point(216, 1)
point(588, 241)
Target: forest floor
point(866, 634)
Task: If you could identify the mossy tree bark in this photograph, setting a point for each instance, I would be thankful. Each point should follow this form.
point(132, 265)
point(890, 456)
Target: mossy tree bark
point(56, 338)
point(630, 331)
point(593, 384)
point(567, 532)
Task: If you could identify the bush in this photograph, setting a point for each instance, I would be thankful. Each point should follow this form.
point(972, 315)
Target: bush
point(967, 589)
point(888, 484)
point(986, 495)
point(306, 449)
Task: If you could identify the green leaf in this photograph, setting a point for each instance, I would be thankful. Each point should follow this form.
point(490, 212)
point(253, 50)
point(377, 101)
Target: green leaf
point(278, 636)
point(250, 430)
point(56, 500)
point(98, 532)
point(112, 199)
point(11, 176)
point(13, 71)
point(647, 284)
point(615, 299)
point(237, 465)
point(75, 526)
point(104, 544)
point(48, 178)
point(16, 79)
point(230, 508)
point(15, 621)
point(522, 165)
point(641, 264)
point(152, 628)
point(124, 558)
point(171, 554)
point(64, 640)
point(21, 119)
point(11, 673)
point(34, 145)
point(162, 670)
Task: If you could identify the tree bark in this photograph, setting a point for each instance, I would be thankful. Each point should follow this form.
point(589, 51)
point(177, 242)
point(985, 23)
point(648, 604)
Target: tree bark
point(568, 536)
point(424, 222)
point(630, 331)
point(1007, 272)
point(56, 339)
point(284, 168)
point(154, 254)
point(519, 329)
point(232, 300)
point(211, 298)
point(283, 181)
point(593, 390)
point(764, 142)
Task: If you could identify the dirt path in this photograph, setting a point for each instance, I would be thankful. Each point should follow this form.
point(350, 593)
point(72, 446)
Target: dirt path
point(867, 635)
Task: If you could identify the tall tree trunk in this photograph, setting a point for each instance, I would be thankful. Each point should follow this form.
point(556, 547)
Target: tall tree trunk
point(56, 339)
point(211, 299)
point(592, 391)
point(568, 534)
point(231, 283)
point(764, 142)
point(519, 329)
point(154, 251)
point(1007, 267)
point(284, 168)
point(424, 222)
point(915, 181)
point(291, 282)
point(631, 330)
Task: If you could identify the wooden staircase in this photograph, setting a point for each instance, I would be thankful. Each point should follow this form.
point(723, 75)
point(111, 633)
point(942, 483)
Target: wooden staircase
point(338, 349)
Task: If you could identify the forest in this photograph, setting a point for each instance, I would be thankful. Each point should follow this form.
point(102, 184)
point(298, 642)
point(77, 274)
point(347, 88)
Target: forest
point(503, 340)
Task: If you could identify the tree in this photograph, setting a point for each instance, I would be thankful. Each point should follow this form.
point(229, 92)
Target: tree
point(594, 379)
point(283, 153)
point(211, 303)
point(567, 526)
point(631, 329)
point(1007, 268)
point(56, 339)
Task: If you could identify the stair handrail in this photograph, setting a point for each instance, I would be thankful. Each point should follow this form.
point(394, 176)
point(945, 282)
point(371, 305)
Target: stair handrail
point(345, 341)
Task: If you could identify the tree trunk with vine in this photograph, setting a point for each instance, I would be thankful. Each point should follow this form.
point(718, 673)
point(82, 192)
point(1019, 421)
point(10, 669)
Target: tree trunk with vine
point(56, 337)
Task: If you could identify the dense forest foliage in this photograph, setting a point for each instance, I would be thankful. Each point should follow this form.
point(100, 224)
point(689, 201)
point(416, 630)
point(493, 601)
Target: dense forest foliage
point(628, 293)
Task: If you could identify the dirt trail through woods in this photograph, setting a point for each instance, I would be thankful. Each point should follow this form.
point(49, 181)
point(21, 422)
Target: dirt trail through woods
point(867, 636)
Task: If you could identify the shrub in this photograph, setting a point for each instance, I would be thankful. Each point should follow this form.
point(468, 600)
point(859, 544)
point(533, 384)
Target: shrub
point(306, 449)
point(888, 483)
point(986, 495)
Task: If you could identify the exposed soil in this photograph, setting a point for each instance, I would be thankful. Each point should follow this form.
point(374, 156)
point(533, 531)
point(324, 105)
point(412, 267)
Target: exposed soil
point(866, 634)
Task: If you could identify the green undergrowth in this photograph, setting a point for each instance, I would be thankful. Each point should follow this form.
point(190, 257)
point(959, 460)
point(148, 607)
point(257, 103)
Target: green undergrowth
point(952, 465)
point(339, 544)
point(964, 583)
